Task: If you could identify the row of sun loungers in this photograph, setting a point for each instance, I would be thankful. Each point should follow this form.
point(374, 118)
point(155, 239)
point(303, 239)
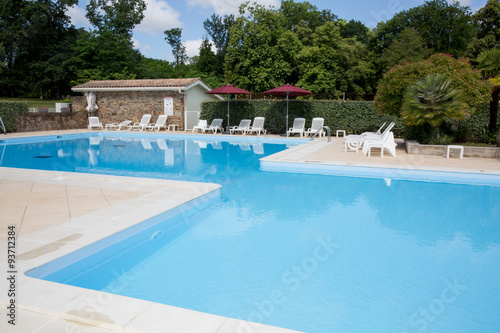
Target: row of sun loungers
point(144, 124)
point(246, 127)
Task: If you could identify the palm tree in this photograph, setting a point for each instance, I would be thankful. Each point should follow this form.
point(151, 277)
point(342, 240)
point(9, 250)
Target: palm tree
point(489, 63)
point(431, 100)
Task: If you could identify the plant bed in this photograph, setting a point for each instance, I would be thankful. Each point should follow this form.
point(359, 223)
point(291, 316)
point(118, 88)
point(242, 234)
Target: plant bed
point(413, 147)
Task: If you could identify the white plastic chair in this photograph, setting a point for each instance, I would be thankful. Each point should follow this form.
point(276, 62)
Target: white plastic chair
point(202, 126)
point(142, 124)
point(94, 123)
point(258, 126)
point(385, 142)
point(242, 127)
point(316, 125)
point(161, 122)
point(298, 127)
point(215, 126)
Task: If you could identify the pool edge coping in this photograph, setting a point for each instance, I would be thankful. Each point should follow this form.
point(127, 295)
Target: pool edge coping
point(79, 304)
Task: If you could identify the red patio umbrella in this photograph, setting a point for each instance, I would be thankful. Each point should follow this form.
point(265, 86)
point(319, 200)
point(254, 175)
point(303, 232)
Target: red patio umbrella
point(287, 90)
point(228, 89)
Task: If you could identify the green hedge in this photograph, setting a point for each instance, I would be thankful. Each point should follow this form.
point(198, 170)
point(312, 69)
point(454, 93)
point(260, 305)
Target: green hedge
point(9, 112)
point(352, 116)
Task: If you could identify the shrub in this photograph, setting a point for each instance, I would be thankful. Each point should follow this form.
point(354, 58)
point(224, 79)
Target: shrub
point(432, 100)
point(9, 112)
point(396, 81)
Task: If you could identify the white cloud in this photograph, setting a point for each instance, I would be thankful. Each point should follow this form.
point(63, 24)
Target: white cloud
point(223, 7)
point(77, 15)
point(158, 17)
point(193, 47)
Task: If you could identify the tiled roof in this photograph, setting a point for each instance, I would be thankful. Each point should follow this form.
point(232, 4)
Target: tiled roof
point(124, 84)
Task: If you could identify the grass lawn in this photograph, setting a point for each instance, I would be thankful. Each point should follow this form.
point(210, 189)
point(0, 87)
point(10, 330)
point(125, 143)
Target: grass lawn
point(34, 102)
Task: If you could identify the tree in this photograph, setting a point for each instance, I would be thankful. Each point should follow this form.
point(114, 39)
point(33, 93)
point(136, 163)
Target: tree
point(117, 16)
point(207, 60)
point(409, 47)
point(104, 56)
point(489, 63)
point(395, 82)
point(217, 27)
point(173, 38)
point(432, 100)
point(356, 29)
point(487, 20)
point(35, 36)
point(155, 69)
point(444, 26)
point(332, 65)
point(295, 12)
point(261, 52)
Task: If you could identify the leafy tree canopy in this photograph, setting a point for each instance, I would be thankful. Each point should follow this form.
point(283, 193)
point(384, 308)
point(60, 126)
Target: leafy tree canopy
point(409, 46)
point(295, 12)
point(444, 26)
point(355, 29)
point(35, 36)
point(489, 63)
point(332, 65)
point(261, 50)
point(487, 20)
point(117, 16)
point(104, 56)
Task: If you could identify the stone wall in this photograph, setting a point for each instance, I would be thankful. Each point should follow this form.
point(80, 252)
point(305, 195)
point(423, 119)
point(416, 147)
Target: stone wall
point(50, 121)
point(118, 106)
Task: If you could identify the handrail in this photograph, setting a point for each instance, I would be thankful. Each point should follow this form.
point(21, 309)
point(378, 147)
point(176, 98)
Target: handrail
point(3, 126)
point(328, 132)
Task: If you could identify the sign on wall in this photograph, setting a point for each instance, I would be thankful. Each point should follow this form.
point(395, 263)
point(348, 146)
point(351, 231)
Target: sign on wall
point(168, 105)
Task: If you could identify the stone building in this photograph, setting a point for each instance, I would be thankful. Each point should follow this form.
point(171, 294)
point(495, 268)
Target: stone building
point(120, 100)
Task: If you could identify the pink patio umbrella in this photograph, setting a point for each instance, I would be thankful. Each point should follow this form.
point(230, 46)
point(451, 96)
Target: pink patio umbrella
point(228, 89)
point(287, 90)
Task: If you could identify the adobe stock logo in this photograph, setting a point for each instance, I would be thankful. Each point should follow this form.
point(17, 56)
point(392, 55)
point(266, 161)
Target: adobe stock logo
point(393, 7)
point(291, 280)
point(425, 316)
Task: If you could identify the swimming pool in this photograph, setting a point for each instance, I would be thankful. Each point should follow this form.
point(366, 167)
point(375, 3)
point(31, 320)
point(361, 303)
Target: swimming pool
point(307, 252)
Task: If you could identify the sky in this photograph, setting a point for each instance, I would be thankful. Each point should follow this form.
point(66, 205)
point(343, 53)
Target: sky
point(161, 15)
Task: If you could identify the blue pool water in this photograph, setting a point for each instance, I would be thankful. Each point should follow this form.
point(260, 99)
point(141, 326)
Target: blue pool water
point(307, 252)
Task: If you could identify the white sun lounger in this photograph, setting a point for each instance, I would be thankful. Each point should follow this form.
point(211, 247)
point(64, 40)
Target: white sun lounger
point(258, 126)
point(94, 123)
point(161, 122)
point(355, 142)
point(202, 125)
point(385, 142)
point(316, 125)
point(242, 127)
point(118, 126)
point(142, 124)
point(298, 127)
point(215, 126)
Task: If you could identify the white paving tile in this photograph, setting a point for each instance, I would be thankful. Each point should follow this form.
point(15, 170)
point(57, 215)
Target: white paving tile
point(164, 318)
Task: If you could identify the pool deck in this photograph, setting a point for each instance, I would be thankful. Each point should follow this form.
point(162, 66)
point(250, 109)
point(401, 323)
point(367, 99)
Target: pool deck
point(56, 213)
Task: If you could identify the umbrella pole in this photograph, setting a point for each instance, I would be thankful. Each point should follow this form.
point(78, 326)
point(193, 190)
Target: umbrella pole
point(286, 129)
point(228, 98)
